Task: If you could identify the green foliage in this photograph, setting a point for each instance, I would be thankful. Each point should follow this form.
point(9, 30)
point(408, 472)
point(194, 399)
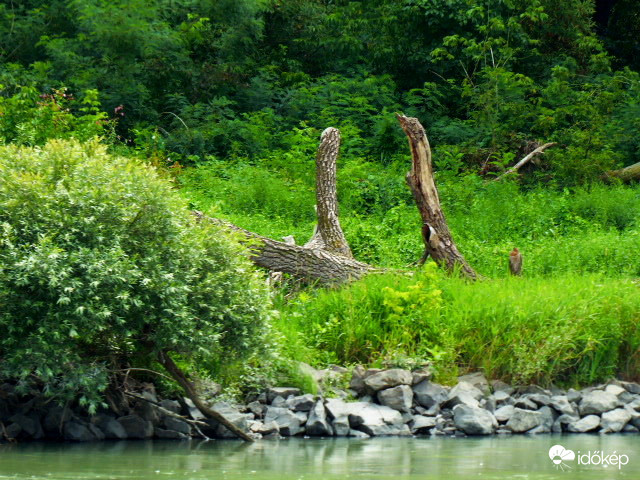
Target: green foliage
point(102, 265)
point(571, 329)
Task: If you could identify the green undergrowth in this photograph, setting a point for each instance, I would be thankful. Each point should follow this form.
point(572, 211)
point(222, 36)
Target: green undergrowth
point(570, 329)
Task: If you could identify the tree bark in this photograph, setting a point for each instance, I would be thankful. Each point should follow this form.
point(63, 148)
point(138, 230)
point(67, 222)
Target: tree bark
point(436, 235)
point(328, 234)
point(179, 376)
point(627, 174)
point(526, 159)
point(308, 264)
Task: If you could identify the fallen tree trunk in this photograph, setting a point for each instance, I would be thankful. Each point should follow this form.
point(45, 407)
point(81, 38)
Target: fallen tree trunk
point(308, 264)
point(626, 174)
point(178, 375)
point(526, 159)
point(435, 232)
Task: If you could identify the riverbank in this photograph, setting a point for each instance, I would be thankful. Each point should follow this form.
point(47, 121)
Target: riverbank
point(378, 402)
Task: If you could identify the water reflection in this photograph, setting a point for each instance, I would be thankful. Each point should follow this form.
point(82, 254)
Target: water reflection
point(382, 458)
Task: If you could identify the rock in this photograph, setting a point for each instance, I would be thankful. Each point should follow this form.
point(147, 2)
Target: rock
point(388, 379)
point(78, 432)
point(429, 394)
point(586, 424)
point(146, 409)
point(110, 427)
point(279, 402)
point(614, 420)
point(561, 404)
point(288, 422)
point(573, 396)
point(177, 425)
point(339, 412)
point(357, 380)
point(171, 405)
point(13, 430)
point(473, 420)
point(525, 403)
point(399, 398)
point(488, 404)
point(421, 424)
point(504, 413)
point(615, 390)
point(194, 413)
point(302, 416)
point(97, 432)
point(302, 403)
point(547, 419)
point(283, 392)
point(376, 420)
point(502, 397)
point(478, 380)
point(540, 399)
point(317, 424)
point(55, 419)
point(523, 420)
point(532, 390)
point(421, 375)
point(500, 386)
point(136, 427)
point(597, 402)
point(30, 426)
point(463, 394)
point(630, 429)
point(169, 434)
point(231, 414)
point(256, 408)
point(358, 434)
point(267, 428)
point(631, 387)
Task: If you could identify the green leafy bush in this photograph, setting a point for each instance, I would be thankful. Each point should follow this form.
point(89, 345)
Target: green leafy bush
point(102, 266)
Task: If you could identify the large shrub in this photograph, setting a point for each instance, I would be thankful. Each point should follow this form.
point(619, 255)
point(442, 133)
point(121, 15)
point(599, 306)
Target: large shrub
point(102, 266)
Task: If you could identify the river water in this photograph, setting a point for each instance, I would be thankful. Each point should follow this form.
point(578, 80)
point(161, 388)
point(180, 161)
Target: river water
point(516, 457)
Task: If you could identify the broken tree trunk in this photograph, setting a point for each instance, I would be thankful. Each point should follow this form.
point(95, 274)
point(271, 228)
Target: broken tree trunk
point(627, 174)
point(178, 375)
point(526, 159)
point(328, 234)
point(308, 264)
point(436, 235)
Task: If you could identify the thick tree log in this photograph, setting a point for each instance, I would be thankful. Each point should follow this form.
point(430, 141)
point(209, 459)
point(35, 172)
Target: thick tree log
point(178, 375)
point(526, 159)
point(328, 234)
point(437, 237)
point(308, 264)
point(627, 174)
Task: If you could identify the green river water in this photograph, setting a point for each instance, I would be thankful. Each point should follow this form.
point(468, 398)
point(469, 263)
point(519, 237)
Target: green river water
point(517, 457)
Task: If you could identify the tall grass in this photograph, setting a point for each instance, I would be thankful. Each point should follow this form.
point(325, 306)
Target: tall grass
point(570, 329)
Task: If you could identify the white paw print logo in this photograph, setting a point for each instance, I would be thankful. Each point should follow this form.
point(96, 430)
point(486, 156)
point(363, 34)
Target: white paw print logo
point(559, 455)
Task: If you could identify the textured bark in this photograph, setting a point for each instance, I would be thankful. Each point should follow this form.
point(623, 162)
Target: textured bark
point(627, 174)
point(308, 264)
point(179, 376)
point(437, 237)
point(526, 159)
point(328, 234)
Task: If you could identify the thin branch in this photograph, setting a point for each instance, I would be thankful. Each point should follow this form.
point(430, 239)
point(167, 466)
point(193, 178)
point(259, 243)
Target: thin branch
point(526, 159)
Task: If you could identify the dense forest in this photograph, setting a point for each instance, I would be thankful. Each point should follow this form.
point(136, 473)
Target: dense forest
point(225, 101)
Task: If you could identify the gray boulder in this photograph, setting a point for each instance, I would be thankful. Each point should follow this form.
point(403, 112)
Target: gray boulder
point(12, 430)
point(171, 405)
point(279, 401)
point(301, 403)
point(421, 375)
point(136, 426)
point(194, 413)
point(586, 424)
point(30, 425)
point(547, 420)
point(574, 396)
point(339, 413)
point(376, 420)
point(232, 415)
point(169, 434)
point(561, 404)
point(614, 420)
point(463, 394)
point(177, 425)
point(110, 427)
point(478, 380)
point(597, 402)
point(473, 420)
point(500, 386)
point(283, 392)
point(523, 420)
point(388, 379)
point(358, 434)
point(78, 432)
point(429, 394)
point(317, 423)
point(399, 398)
point(525, 403)
point(421, 424)
point(501, 397)
point(504, 413)
point(288, 423)
point(267, 428)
